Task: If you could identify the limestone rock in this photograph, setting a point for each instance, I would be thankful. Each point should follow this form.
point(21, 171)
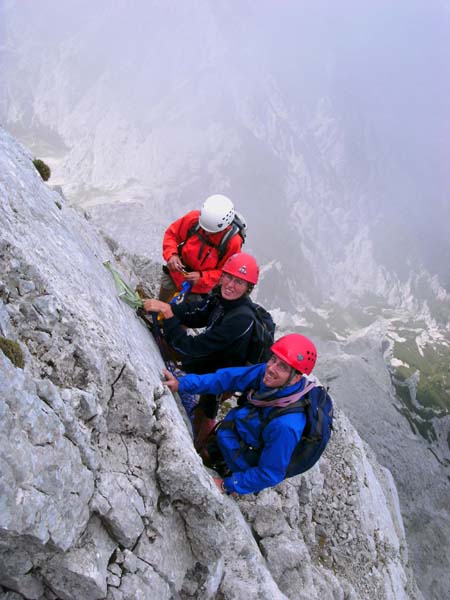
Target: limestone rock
point(102, 493)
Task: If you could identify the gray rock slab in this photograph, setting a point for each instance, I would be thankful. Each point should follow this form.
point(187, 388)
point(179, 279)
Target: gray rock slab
point(81, 573)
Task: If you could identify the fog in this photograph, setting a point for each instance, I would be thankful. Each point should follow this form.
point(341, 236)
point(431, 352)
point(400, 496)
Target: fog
point(328, 125)
point(321, 120)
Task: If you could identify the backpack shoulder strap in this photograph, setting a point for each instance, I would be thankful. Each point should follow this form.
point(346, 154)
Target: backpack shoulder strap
point(234, 229)
point(301, 405)
point(263, 316)
point(192, 229)
point(237, 227)
point(195, 230)
point(296, 407)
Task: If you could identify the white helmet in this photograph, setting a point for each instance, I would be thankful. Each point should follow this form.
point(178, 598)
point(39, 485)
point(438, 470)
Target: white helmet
point(216, 213)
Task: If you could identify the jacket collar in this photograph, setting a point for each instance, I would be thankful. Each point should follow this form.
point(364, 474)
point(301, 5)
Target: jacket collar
point(230, 304)
point(266, 393)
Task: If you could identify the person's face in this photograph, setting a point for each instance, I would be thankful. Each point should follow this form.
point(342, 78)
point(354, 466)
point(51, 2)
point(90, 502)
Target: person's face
point(232, 287)
point(278, 373)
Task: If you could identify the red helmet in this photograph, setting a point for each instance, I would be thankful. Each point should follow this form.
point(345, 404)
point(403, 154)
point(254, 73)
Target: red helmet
point(297, 351)
point(243, 266)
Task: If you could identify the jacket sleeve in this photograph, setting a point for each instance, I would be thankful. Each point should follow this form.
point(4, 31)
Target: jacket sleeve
point(211, 277)
point(193, 314)
point(177, 233)
point(217, 339)
point(279, 438)
point(233, 379)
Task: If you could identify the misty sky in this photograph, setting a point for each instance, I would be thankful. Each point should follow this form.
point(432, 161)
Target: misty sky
point(337, 105)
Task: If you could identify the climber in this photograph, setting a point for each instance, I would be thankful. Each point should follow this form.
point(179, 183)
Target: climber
point(228, 317)
point(255, 449)
point(196, 246)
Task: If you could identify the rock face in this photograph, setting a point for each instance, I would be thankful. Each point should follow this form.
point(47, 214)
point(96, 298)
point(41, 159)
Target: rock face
point(101, 492)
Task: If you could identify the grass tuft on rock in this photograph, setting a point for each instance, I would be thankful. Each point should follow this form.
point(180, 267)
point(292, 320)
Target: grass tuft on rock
point(43, 168)
point(13, 351)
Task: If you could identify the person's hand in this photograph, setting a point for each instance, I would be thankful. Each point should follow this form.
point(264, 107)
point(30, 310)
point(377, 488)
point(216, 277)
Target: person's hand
point(219, 484)
point(192, 277)
point(151, 305)
point(174, 263)
point(170, 380)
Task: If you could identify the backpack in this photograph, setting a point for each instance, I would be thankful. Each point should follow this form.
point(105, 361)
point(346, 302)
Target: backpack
point(263, 335)
point(318, 408)
point(238, 227)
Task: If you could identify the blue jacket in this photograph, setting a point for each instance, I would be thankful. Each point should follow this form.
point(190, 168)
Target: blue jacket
point(275, 442)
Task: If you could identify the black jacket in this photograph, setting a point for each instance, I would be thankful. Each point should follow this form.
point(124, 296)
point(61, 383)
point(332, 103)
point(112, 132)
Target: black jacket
point(225, 341)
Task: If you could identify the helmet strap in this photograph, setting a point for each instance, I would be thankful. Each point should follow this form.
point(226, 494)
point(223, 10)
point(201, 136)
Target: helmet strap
point(291, 376)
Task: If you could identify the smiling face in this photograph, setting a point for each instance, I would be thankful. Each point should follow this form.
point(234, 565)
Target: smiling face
point(232, 287)
point(279, 373)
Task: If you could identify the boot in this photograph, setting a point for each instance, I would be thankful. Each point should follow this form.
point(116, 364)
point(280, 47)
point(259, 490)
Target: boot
point(202, 426)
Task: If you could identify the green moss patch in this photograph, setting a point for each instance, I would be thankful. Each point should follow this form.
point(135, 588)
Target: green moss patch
point(433, 390)
point(13, 351)
point(42, 168)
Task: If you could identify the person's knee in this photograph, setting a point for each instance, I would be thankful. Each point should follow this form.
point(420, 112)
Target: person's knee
point(209, 405)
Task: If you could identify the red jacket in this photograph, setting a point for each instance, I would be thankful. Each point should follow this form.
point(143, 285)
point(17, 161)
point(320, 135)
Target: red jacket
point(196, 254)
